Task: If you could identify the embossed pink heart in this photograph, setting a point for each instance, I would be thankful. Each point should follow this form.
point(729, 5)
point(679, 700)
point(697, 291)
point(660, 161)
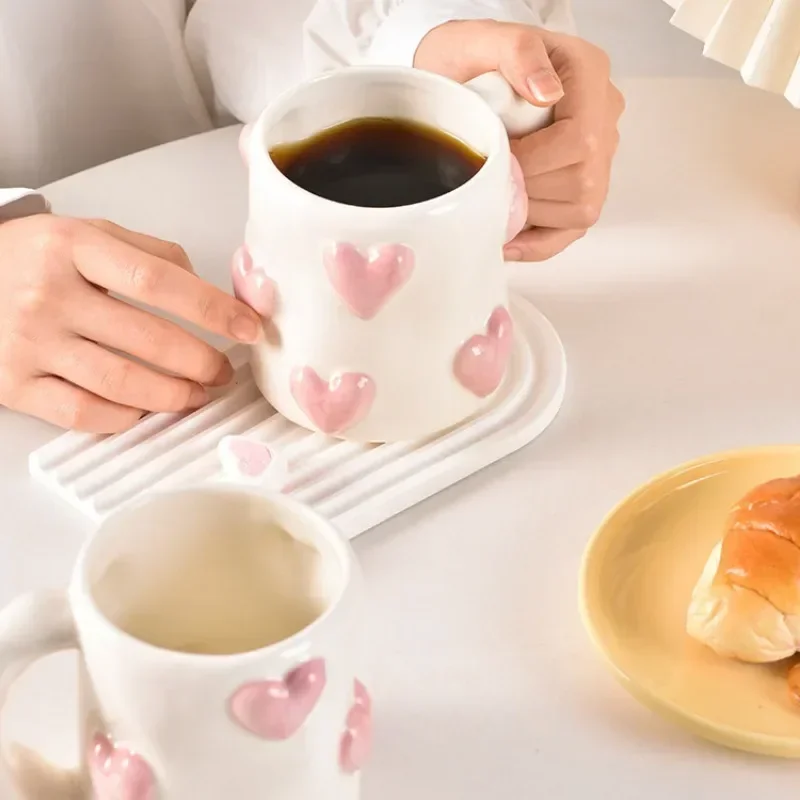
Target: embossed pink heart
point(356, 744)
point(118, 774)
point(277, 709)
point(250, 461)
point(481, 361)
point(518, 214)
point(334, 405)
point(367, 282)
point(251, 284)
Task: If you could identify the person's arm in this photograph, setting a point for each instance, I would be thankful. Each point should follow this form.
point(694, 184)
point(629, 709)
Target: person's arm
point(344, 32)
point(245, 53)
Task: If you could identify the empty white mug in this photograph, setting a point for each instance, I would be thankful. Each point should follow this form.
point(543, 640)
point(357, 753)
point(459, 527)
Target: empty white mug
point(220, 639)
point(389, 323)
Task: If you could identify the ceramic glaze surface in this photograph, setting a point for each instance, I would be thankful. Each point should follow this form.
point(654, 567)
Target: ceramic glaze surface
point(389, 294)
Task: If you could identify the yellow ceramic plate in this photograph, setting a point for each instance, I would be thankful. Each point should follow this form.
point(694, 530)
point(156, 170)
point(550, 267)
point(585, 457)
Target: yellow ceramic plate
point(636, 580)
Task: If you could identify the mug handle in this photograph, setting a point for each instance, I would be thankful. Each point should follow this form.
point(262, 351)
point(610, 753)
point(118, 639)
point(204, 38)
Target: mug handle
point(31, 627)
point(519, 117)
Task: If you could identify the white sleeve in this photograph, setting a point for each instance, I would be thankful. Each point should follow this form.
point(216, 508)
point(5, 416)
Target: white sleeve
point(343, 32)
point(21, 203)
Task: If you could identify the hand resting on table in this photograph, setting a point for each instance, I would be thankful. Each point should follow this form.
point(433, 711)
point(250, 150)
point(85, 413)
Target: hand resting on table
point(59, 325)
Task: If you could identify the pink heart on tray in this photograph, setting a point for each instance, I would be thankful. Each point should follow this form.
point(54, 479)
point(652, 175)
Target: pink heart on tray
point(356, 744)
point(367, 282)
point(481, 361)
point(118, 774)
point(277, 709)
point(251, 284)
point(334, 405)
point(250, 461)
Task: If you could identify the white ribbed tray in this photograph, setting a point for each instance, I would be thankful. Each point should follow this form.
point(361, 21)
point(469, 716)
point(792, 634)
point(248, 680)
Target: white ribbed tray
point(759, 38)
point(356, 486)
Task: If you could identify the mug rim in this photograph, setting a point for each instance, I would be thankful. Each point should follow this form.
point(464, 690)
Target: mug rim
point(82, 597)
point(259, 152)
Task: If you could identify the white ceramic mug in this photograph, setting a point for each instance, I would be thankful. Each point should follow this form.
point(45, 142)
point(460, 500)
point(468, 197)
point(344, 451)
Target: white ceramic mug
point(219, 630)
point(390, 323)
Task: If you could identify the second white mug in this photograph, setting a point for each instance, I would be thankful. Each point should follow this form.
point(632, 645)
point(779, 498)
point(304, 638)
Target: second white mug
point(220, 639)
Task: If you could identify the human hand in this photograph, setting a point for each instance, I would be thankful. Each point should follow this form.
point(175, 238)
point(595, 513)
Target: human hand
point(567, 166)
point(59, 325)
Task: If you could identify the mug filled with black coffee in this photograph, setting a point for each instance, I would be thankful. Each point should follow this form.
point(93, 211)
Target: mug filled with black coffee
point(380, 200)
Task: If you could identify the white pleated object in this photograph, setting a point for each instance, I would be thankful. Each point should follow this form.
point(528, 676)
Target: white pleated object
point(759, 38)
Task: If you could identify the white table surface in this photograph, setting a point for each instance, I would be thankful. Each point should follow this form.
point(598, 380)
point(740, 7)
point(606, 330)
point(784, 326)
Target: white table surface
point(679, 317)
point(641, 41)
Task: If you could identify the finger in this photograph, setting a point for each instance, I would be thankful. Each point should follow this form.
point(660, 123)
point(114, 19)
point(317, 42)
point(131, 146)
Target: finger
point(558, 146)
point(585, 71)
point(465, 49)
point(539, 244)
point(116, 324)
point(573, 184)
point(549, 214)
point(126, 270)
point(523, 61)
point(60, 403)
point(169, 251)
point(121, 380)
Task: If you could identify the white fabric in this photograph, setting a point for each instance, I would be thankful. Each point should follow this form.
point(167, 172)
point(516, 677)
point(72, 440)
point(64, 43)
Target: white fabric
point(86, 81)
point(758, 38)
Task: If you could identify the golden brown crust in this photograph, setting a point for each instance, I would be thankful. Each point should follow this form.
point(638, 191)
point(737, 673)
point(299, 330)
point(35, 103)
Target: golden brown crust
point(793, 679)
point(761, 549)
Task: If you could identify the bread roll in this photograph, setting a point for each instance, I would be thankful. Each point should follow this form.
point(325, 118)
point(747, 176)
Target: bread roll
point(746, 604)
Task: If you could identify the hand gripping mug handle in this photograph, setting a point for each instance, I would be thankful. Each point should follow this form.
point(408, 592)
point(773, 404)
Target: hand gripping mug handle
point(520, 118)
point(31, 627)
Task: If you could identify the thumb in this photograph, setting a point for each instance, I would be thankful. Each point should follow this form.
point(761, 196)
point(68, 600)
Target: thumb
point(527, 67)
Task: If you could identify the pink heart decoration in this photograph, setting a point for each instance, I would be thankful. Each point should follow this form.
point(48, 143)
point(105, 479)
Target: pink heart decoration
point(118, 774)
point(276, 709)
point(482, 360)
point(335, 405)
point(253, 457)
point(518, 214)
point(251, 284)
point(250, 461)
point(356, 744)
point(367, 282)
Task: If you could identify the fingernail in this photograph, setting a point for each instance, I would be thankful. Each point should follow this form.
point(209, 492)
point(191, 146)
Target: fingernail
point(545, 86)
point(223, 377)
point(513, 254)
point(246, 328)
point(198, 397)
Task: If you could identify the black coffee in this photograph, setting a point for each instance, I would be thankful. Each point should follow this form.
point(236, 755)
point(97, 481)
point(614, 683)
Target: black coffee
point(378, 163)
